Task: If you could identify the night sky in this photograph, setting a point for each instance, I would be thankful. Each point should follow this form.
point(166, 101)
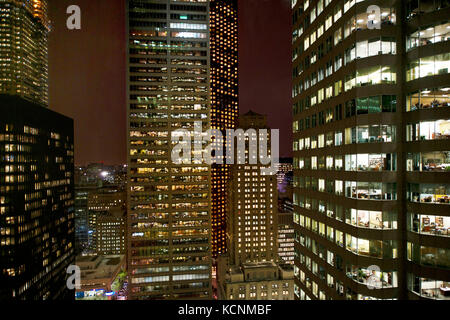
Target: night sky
point(87, 72)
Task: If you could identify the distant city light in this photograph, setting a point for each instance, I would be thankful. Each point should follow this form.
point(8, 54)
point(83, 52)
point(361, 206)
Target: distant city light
point(104, 174)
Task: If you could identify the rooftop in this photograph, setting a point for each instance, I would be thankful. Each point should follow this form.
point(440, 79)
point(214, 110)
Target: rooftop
point(99, 267)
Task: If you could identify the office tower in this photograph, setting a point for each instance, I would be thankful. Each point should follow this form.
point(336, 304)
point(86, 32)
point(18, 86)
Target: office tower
point(224, 105)
point(82, 218)
point(286, 242)
point(110, 232)
point(24, 50)
point(427, 149)
point(250, 269)
point(98, 189)
point(36, 163)
point(36, 201)
point(252, 207)
point(169, 220)
point(106, 216)
point(370, 157)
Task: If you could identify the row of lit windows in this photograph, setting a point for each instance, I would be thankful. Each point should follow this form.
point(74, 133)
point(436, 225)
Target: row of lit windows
point(428, 66)
point(354, 135)
point(353, 162)
point(362, 49)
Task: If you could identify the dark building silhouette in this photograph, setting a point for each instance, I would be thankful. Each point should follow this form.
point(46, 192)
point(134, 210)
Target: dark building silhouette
point(36, 201)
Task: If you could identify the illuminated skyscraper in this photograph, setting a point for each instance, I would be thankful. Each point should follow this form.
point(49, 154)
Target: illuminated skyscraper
point(224, 104)
point(427, 162)
point(169, 217)
point(110, 232)
point(36, 163)
point(252, 204)
point(371, 149)
point(107, 220)
point(36, 201)
point(182, 68)
point(81, 208)
point(24, 31)
point(250, 269)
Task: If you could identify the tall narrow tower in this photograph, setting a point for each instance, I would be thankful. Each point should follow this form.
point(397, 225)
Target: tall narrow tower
point(169, 205)
point(252, 204)
point(224, 105)
point(250, 269)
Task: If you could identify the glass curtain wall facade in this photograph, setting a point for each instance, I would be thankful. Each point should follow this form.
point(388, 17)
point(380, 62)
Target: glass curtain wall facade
point(24, 49)
point(365, 150)
point(427, 120)
point(169, 217)
point(37, 233)
point(36, 162)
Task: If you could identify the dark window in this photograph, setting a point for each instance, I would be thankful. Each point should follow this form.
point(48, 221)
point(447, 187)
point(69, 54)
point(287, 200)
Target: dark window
point(329, 44)
point(389, 103)
point(338, 112)
point(320, 51)
point(321, 118)
point(350, 108)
